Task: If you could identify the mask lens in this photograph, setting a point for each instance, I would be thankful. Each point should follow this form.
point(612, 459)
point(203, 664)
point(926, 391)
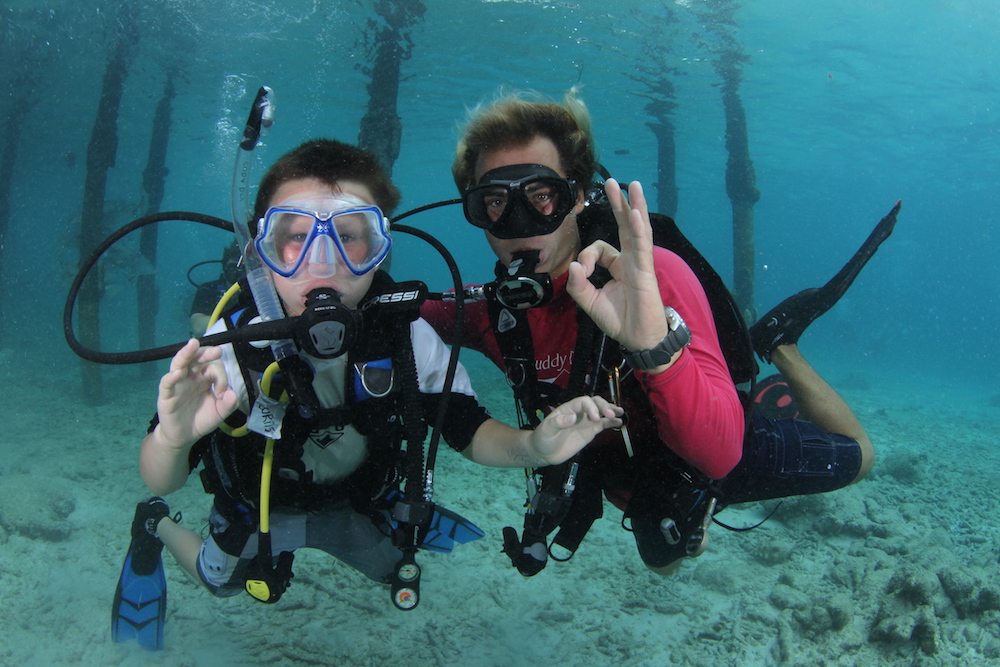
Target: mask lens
point(494, 203)
point(287, 233)
point(485, 205)
point(547, 196)
point(543, 202)
point(291, 237)
point(358, 233)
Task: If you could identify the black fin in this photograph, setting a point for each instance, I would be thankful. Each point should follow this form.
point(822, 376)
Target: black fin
point(785, 323)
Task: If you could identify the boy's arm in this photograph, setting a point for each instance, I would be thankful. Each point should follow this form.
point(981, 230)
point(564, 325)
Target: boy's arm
point(564, 431)
point(164, 467)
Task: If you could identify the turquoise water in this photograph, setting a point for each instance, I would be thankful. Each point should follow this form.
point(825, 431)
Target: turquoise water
point(850, 106)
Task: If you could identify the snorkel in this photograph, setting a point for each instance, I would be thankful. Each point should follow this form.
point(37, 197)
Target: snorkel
point(266, 579)
point(265, 297)
point(259, 278)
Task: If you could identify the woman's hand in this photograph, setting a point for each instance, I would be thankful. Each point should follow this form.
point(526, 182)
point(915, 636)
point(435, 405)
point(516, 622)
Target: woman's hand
point(628, 308)
point(570, 427)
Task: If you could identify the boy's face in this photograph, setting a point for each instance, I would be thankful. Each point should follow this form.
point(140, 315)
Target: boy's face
point(350, 287)
point(560, 247)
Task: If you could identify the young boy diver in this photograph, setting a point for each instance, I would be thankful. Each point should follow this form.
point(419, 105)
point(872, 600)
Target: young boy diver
point(319, 228)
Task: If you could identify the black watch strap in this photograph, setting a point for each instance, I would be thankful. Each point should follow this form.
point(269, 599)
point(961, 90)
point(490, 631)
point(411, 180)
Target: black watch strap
point(677, 338)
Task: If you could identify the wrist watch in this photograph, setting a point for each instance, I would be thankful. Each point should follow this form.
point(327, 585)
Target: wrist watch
point(678, 337)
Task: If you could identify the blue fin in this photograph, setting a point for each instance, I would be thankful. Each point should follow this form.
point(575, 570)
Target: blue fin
point(140, 605)
point(448, 529)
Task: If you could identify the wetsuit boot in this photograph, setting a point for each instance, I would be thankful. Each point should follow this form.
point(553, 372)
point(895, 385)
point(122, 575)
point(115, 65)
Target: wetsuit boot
point(785, 323)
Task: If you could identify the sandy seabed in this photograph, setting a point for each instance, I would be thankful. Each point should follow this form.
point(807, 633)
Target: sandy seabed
point(898, 570)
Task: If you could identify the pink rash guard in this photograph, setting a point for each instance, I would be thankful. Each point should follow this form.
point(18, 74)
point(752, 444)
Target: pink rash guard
point(695, 404)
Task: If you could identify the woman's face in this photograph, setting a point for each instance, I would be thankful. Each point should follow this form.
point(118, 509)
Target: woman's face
point(293, 290)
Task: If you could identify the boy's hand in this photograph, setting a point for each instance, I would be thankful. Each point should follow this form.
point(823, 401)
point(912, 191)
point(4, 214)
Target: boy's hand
point(194, 395)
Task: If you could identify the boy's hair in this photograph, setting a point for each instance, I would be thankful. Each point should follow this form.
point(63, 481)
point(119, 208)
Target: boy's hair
point(328, 161)
point(512, 120)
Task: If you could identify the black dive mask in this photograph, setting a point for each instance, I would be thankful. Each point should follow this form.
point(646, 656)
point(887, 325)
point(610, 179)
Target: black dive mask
point(327, 328)
point(519, 201)
point(517, 286)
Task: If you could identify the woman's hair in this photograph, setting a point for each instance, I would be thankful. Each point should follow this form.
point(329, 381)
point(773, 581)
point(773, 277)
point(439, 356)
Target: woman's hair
point(329, 162)
point(515, 120)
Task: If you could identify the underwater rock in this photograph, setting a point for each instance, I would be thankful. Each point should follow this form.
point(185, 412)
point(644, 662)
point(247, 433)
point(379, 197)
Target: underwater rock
point(915, 586)
point(849, 571)
point(898, 546)
point(991, 649)
point(814, 621)
point(969, 590)
point(893, 630)
point(831, 616)
point(719, 577)
point(925, 632)
point(772, 553)
point(786, 597)
point(911, 610)
point(554, 616)
point(841, 611)
point(904, 466)
point(831, 515)
point(29, 509)
point(962, 585)
point(920, 588)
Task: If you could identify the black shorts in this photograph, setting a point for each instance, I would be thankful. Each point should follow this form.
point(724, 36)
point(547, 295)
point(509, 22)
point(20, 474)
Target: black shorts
point(790, 457)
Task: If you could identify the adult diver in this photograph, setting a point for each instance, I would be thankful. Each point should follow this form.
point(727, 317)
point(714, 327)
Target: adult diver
point(593, 293)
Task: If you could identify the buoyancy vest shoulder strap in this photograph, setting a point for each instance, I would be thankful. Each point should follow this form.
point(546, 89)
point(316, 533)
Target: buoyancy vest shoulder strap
point(734, 337)
point(513, 334)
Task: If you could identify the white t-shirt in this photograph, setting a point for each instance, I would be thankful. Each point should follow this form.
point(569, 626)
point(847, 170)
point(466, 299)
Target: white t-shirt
point(333, 454)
